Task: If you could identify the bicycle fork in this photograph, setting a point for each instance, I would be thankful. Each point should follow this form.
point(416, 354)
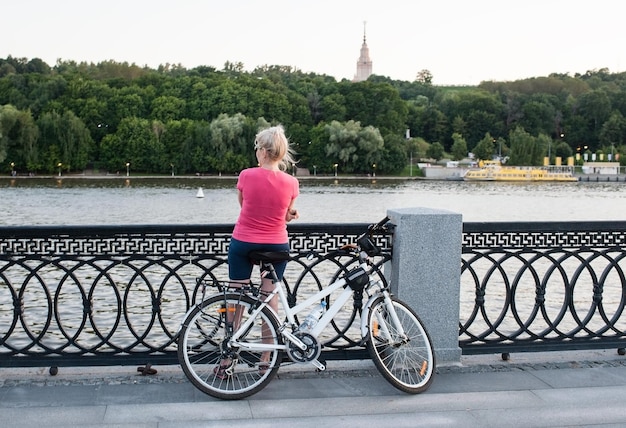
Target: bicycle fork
point(381, 328)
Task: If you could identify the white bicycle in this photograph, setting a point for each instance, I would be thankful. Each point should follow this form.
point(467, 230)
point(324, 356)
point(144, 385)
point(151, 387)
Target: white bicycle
point(231, 344)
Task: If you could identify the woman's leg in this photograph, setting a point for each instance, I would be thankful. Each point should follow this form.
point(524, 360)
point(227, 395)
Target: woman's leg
point(239, 271)
point(267, 286)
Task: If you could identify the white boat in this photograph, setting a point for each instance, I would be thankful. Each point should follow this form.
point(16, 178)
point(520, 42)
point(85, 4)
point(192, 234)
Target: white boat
point(200, 193)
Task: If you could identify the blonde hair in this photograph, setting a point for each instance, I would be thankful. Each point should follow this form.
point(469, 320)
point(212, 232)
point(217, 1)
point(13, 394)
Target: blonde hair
point(276, 145)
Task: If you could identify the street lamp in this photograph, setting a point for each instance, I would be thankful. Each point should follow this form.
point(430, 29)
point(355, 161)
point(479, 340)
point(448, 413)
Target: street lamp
point(374, 167)
point(12, 169)
point(127, 169)
point(59, 165)
point(335, 165)
point(172, 165)
point(314, 170)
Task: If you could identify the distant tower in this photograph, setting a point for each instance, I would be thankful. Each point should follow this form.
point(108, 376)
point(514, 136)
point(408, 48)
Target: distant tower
point(364, 64)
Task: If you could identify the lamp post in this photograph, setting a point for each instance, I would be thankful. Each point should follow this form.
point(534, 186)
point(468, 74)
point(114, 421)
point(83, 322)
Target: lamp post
point(335, 165)
point(374, 169)
point(60, 165)
point(172, 166)
point(127, 169)
point(12, 169)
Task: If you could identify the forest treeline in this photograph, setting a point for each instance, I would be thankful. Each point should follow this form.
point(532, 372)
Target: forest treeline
point(111, 116)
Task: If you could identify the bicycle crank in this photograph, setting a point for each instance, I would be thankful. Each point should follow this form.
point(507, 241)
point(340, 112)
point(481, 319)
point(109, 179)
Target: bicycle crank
point(308, 355)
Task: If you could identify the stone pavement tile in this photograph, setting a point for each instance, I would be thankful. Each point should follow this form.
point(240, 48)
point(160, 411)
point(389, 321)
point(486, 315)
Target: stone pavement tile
point(147, 393)
point(584, 395)
point(312, 387)
point(577, 377)
point(173, 412)
point(580, 415)
point(63, 416)
point(58, 395)
point(486, 381)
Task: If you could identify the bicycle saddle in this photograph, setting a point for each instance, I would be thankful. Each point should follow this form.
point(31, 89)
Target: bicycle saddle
point(269, 256)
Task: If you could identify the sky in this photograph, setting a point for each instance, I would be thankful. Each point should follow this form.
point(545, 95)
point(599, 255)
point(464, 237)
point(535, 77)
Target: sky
point(460, 42)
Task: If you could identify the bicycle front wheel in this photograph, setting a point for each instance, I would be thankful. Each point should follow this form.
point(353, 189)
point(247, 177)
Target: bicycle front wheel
point(402, 353)
point(211, 364)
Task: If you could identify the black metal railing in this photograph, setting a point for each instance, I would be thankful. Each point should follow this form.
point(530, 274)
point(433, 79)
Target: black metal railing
point(103, 295)
point(542, 286)
point(116, 294)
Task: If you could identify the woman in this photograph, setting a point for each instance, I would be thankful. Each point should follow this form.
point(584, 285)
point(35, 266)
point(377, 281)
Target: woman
point(266, 196)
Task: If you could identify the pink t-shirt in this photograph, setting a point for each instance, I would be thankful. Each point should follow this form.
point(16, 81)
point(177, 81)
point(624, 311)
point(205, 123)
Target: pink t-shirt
point(266, 197)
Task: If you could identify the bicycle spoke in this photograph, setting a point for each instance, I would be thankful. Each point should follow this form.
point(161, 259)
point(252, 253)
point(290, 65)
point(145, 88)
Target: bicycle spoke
point(404, 356)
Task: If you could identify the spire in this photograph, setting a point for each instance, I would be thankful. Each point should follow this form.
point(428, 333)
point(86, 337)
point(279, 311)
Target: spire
point(364, 31)
point(364, 63)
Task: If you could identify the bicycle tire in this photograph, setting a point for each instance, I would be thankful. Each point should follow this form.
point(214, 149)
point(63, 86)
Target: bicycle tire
point(201, 346)
point(407, 363)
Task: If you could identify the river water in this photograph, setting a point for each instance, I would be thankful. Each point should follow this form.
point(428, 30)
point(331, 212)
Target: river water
point(135, 200)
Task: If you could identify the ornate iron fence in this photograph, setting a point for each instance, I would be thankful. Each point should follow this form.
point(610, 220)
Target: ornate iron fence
point(542, 286)
point(117, 294)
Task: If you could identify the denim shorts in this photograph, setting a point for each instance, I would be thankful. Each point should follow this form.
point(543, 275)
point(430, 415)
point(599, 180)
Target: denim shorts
point(239, 265)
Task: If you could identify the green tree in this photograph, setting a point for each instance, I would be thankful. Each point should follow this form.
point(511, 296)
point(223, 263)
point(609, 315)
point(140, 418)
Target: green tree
point(537, 116)
point(64, 138)
point(394, 157)
point(231, 143)
point(526, 150)
point(485, 148)
point(167, 108)
point(435, 151)
point(135, 143)
point(355, 148)
point(563, 150)
point(613, 131)
point(428, 122)
point(459, 147)
point(375, 104)
point(333, 107)
point(18, 136)
point(481, 111)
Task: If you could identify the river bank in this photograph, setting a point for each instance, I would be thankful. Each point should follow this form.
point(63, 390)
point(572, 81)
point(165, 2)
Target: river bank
point(453, 176)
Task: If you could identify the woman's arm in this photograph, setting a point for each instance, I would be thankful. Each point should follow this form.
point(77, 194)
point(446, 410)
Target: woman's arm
point(292, 214)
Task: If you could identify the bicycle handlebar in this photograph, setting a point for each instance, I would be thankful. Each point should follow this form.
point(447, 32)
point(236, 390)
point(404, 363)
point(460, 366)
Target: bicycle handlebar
point(379, 225)
point(365, 243)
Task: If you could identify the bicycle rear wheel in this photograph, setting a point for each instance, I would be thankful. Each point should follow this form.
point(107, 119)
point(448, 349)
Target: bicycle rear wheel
point(203, 351)
point(406, 361)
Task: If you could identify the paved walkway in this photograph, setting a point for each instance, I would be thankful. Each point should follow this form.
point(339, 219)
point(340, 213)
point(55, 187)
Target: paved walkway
point(571, 389)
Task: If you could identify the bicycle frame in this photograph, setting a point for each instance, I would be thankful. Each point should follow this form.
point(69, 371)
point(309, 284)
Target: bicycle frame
point(328, 316)
point(290, 313)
